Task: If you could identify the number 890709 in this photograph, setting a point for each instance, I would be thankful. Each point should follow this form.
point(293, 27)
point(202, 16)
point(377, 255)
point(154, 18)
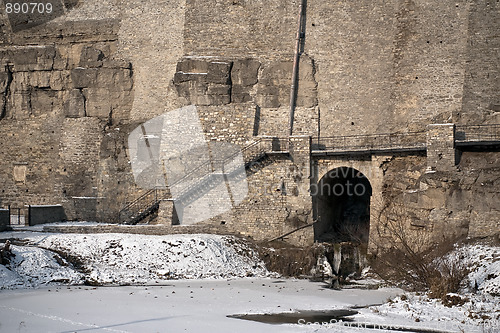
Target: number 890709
point(28, 8)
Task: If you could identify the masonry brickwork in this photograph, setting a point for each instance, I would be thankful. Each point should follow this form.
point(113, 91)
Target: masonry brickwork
point(71, 91)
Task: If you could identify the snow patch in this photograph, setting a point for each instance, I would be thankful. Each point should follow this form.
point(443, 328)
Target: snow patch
point(480, 294)
point(32, 267)
point(118, 259)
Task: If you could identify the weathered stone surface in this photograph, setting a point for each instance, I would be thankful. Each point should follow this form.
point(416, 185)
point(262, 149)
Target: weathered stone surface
point(204, 82)
point(451, 204)
point(240, 94)
point(99, 102)
point(241, 75)
point(245, 72)
point(91, 57)
point(84, 77)
point(44, 101)
point(33, 58)
point(74, 107)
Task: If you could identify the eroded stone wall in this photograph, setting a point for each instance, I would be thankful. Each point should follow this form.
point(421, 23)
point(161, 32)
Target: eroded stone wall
point(72, 90)
point(64, 92)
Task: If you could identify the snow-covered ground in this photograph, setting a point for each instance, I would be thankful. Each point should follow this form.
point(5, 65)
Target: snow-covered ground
point(191, 283)
point(480, 311)
point(121, 259)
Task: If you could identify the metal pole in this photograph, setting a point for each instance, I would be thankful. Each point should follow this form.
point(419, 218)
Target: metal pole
point(293, 90)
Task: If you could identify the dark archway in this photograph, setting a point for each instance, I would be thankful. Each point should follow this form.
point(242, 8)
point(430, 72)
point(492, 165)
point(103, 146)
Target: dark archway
point(342, 199)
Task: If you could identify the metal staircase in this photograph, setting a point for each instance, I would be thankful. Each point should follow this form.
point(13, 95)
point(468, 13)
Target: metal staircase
point(148, 203)
point(144, 206)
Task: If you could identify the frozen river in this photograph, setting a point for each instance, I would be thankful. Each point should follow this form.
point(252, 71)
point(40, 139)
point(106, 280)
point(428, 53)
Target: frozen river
point(179, 306)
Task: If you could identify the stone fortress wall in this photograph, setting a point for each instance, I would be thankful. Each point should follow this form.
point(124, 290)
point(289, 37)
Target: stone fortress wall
point(72, 90)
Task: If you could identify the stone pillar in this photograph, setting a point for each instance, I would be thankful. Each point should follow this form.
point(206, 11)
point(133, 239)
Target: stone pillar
point(165, 212)
point(298, 197)
point(441, 152)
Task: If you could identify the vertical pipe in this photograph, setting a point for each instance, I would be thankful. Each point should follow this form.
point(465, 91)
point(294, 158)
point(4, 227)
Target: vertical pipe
point(293, 89)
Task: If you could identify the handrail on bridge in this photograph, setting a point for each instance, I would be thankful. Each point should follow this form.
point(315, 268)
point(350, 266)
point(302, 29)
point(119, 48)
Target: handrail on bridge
point(477, 133)
point(371, 141)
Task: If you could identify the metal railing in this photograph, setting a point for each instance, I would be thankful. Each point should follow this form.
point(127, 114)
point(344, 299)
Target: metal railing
point(368, 142)
point(140, 207)
point(477, 133)
point(205, 176)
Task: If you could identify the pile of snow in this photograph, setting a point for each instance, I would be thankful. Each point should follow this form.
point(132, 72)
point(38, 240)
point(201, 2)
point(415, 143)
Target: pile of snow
point(484, 266)
point(31, 267)
point(480, 294)
point(132, 259)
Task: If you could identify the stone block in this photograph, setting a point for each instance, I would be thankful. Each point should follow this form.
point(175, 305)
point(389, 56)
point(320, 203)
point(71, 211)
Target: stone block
point(192, 66)
point(245, 72)
point(239, 94)
point(219, 72)
point(59, 79)
point(74, 105)
point(34, 58)
point(219, 89)
point(268, 97)
point(213, 100)
point(190, 88)
point(40, 79)
point(278, 73)
point(84, 77)
point(98, 102)
point(181, 77)
point(91, 57)
point(43, 101)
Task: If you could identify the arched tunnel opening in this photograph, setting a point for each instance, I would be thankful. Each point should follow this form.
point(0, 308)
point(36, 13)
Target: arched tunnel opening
point(342, 199)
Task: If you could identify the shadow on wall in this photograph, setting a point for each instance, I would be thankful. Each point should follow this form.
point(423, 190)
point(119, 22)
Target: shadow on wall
point(342, 199)
point(26, 15)
point(46, 214)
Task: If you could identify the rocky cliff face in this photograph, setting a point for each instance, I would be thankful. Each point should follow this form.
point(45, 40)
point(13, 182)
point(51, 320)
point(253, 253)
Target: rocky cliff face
point(453, 205)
